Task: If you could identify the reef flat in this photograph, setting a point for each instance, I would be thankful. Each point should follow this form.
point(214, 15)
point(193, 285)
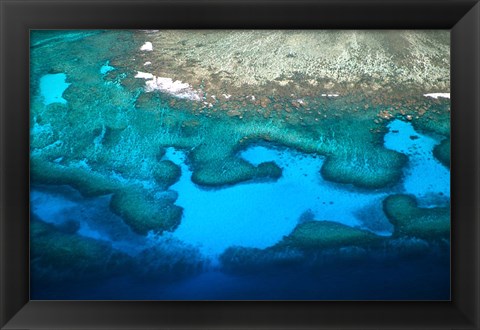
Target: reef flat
point(173, 131)
point(267, 63)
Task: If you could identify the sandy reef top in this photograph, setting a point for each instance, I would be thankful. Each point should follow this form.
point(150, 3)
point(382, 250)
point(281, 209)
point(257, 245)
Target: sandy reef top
point(279, 62)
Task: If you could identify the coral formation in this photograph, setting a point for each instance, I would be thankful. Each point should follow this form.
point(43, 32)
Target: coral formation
point(327, 234)
point(442, 152)
point(166, 173)
point(89, 183)
point(410, 220)
point(59, 256)
point(145, 213)
point(417, 232)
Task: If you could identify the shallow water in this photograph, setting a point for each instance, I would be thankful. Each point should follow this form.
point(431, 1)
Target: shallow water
point(52, 87)
point(424, 177)
point(260, 214)
point(106, 68)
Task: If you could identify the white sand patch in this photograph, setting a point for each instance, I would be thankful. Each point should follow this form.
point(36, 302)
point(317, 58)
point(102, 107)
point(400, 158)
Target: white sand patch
point(330, 95)
point(176, 88)
point(144, 75)
point(147, 46)
point(437, 95)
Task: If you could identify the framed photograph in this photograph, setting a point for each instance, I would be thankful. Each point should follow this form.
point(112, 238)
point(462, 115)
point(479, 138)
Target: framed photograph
point(229, 164)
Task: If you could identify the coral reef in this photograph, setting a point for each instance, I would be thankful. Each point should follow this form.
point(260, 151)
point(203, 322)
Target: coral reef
point(410, 220)
point(166, 173)
point(145, 213)
point(442, 152)
point(327, 234)
point(56, 255)
point(371, 170)
point(89, 183)
point(115, 125)
point(265, 63)
point(418, 232)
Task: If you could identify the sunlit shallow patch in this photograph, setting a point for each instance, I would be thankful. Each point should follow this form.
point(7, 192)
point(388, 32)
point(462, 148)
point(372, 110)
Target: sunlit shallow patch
point(259, 214)
point(106, 68)
point(52, 87)
point(424, 177)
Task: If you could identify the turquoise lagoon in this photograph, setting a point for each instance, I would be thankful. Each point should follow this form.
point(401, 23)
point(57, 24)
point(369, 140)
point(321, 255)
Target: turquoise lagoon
point(260, 214)
point(254, 216)
point(232, 214)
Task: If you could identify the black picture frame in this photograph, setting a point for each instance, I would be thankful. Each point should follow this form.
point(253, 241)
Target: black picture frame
point(17, 17)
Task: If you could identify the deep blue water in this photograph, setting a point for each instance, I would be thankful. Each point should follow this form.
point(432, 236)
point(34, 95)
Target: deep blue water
point(402, 279)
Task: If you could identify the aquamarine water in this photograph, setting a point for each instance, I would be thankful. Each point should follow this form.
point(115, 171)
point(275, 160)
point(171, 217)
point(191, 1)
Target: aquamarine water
point(260, 214)
point(424, 177)
point(106, 68)
point(52, 87)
